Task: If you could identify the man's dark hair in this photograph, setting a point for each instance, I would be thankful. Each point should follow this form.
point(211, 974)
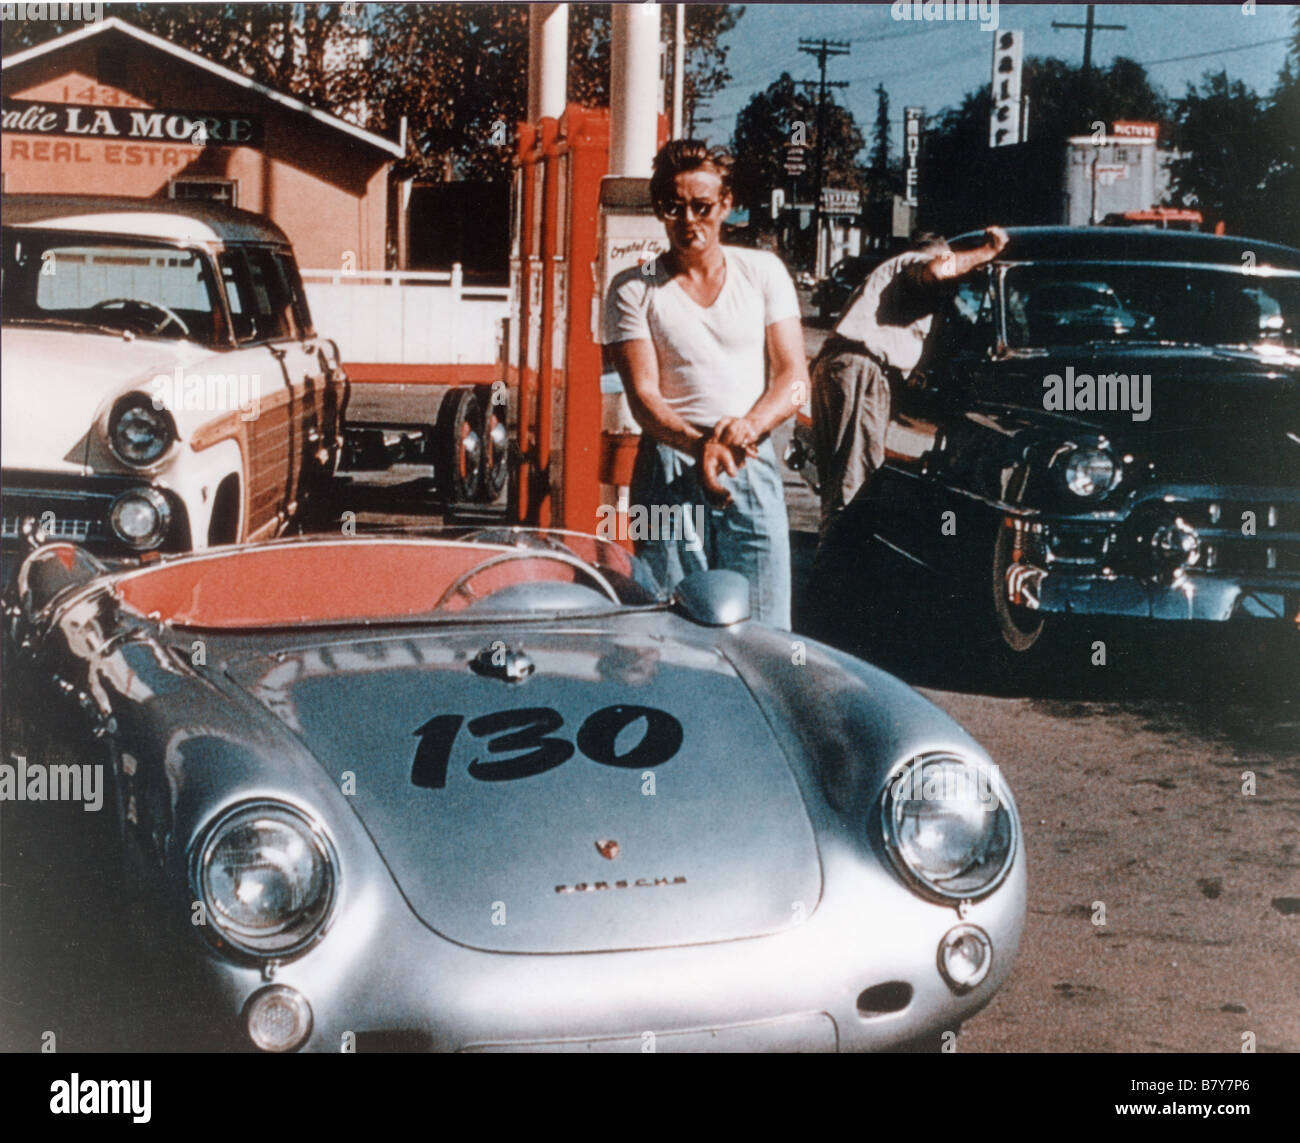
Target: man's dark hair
point(925, 239)
point(682, 155)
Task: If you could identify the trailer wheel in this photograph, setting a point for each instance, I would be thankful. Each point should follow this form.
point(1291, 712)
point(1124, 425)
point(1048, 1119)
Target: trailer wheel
point(458, 456)
point(495, 434)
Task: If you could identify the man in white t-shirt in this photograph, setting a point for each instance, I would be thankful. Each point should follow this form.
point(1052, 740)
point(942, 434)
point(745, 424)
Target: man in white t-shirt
point(708, 342)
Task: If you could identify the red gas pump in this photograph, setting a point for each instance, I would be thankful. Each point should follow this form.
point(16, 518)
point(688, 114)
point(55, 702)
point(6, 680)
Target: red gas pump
point(557, 359)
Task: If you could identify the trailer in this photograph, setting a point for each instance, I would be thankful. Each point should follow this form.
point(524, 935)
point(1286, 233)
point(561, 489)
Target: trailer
point(424, 353)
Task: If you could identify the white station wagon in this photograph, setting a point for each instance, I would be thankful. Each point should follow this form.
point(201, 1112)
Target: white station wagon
point(163, 386)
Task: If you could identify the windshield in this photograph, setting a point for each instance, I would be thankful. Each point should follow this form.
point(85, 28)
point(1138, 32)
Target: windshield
point(108, 283)
point(1081, 303)
point(486, 576)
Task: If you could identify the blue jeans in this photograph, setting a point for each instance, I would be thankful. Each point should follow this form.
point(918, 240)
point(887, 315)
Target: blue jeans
point(750, 536)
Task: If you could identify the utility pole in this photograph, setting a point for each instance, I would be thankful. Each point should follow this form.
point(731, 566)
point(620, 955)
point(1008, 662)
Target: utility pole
point(823, 49)
point(1088, 28)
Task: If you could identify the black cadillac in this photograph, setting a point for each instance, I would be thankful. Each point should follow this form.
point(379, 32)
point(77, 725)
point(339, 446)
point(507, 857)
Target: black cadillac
point(1107, 423)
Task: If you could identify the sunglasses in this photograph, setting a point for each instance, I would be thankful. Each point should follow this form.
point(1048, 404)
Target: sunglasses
point(700, 208)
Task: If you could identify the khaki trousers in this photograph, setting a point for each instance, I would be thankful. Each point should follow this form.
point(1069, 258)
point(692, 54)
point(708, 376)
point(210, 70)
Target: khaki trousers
point(850, 415)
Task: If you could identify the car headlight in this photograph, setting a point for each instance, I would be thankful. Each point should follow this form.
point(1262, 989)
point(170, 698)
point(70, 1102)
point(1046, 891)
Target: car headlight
point(265, 875)
point(140, 518)
point(949, 825)
point(138, 433)
point(1088, 473)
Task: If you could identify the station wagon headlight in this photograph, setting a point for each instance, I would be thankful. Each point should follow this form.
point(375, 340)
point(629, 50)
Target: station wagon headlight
point(138, 433)
point(949, 825)
point(1089, 473)
point(265, 875)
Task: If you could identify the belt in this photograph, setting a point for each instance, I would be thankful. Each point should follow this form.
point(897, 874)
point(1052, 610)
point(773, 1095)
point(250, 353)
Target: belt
point(837, 344)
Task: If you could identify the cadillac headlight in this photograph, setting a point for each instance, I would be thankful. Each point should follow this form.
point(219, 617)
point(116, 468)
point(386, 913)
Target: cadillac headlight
point(1089, 473)
point(138, 433)
point(265, 875)
point(949, 825)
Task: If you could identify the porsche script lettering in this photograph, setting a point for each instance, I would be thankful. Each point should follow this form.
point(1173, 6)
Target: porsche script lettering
point(639, 883)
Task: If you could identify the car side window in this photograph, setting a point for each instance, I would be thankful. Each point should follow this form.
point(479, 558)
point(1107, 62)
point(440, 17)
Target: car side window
point(297, 293)
point(234, 277)
point(970, 316)
point(270, 294)
point(260, 301)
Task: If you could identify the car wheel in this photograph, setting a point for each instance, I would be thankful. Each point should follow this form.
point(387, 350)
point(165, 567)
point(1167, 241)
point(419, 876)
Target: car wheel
point(1019, 628)
point(458, 460)
point(495, 435)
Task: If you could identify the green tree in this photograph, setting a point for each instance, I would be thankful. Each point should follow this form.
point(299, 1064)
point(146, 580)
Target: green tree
point(779, 115)
point(1228, 154)
point(1282, 124)
point(881, 138)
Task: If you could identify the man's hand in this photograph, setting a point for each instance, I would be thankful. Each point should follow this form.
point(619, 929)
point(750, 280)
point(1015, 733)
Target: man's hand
point(715, 458)
point(996, 237)
point(738, 432)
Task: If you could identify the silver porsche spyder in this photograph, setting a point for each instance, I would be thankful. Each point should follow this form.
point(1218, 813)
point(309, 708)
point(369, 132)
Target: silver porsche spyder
point(503, 793)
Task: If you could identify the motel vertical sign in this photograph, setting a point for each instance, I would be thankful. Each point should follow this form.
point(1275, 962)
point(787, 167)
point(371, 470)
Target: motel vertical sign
point(912, 118)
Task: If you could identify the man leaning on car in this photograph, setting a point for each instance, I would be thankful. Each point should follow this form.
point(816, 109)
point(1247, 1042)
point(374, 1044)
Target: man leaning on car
point(876, 343)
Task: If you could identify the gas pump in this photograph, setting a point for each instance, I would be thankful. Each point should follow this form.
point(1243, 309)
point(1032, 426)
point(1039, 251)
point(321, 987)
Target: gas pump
point(576, 228)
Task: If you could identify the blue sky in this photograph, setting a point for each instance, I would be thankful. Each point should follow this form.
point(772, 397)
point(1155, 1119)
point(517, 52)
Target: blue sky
point(933, 64)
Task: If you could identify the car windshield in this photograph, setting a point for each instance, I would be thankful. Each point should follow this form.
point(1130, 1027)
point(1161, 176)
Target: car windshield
point(104, 282)
point(488, 575)
point(1079, 303)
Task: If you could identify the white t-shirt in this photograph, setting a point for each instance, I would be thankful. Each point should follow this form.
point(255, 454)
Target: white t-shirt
point(884, 316)
point(712, 361)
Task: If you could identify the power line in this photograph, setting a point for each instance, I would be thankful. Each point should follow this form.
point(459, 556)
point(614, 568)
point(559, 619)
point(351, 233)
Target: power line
point(1214, 52)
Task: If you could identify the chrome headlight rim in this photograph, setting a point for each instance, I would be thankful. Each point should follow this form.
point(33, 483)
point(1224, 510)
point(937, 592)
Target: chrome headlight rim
point(1074, 451)
point(230, 939)
point(913, 877)
point(162, 508)
point(168, 436)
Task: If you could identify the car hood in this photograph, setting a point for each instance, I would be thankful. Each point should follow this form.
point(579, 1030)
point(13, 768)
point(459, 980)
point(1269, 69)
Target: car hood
point(1214, 415)
point(712, 838)
point(54, 382)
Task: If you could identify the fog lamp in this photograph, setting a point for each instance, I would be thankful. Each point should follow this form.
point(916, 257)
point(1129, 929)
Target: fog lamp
point(278, 1019)
point(140, 518)
point(965, 957)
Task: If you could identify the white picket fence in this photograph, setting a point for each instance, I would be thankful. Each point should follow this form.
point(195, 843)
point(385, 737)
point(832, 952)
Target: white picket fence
point(408, 317)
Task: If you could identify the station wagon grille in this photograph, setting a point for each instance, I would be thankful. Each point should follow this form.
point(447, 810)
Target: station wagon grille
point(63, 528)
